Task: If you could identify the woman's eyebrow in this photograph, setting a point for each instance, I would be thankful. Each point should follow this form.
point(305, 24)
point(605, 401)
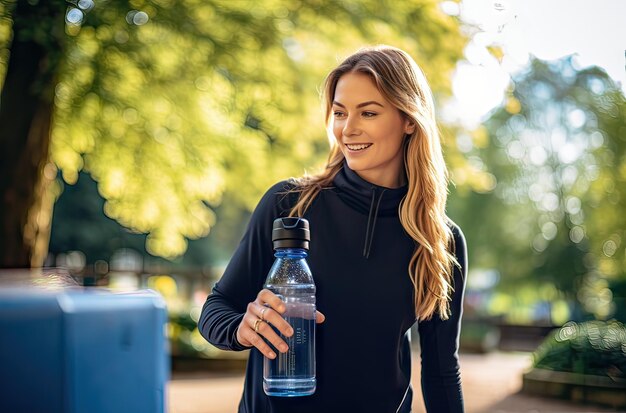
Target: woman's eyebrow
point(360, 105)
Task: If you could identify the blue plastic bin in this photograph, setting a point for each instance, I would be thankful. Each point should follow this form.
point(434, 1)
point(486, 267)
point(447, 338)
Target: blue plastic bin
point(76, 350)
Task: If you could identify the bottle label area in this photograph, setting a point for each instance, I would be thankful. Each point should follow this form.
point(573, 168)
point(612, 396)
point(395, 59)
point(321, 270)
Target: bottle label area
point(299, 361)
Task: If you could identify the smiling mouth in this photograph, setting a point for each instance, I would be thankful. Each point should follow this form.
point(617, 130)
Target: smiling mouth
point(358, 146)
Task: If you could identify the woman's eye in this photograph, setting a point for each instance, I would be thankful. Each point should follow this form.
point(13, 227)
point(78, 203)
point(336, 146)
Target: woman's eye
point(337, 114)
point(369, 114)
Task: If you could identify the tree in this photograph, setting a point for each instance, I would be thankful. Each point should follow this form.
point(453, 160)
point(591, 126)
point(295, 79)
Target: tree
point(167, 104)
point(557, 152)
point(80, 225)
point(25, 117)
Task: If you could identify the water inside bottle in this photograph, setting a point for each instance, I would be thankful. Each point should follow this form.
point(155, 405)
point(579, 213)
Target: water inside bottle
point(293, 373)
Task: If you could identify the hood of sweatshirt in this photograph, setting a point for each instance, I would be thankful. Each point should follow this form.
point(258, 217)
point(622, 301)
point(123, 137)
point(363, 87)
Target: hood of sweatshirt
point(368, 198)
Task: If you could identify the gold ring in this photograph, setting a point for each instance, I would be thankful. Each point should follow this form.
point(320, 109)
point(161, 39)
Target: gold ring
point(263, 312)
point(256, 325)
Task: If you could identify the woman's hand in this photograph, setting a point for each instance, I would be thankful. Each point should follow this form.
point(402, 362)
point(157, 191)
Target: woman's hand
point(267, 308)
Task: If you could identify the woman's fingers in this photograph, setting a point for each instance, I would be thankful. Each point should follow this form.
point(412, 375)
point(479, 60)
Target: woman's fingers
point(270, 309)
point(252, 331)
point(265, 296)
point(263, 323)
point(254, 327)
point(319, 317)
point(262, 328)
point(246, 330)
point(271, 316)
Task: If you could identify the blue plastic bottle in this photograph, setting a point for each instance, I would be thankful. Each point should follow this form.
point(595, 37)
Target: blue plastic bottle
point(293, 373)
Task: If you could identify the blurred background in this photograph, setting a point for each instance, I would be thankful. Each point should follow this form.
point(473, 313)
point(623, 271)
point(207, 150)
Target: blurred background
point(137, 136)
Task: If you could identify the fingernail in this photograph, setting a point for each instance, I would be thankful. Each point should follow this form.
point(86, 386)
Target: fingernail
point(271, 355)
point(284, 348)
point(290, 332)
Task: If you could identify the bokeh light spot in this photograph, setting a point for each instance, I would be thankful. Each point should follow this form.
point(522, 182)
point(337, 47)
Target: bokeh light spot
point(86, 4)
point(572, 205)
point(450, 8)
point(609, 248)
point(549, 230)
point(577, 234)
point(577, 118)
point(74, 16)
point(140, 18)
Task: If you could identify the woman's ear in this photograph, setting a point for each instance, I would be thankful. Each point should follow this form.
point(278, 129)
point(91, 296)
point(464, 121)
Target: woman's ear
point(409, 127)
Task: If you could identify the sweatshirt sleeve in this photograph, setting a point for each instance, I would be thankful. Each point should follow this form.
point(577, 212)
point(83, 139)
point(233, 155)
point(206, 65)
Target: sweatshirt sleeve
point(439, 342)
point(245, 274)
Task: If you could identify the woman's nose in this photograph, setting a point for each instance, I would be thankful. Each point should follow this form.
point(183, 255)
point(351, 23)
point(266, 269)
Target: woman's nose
point(351, 126)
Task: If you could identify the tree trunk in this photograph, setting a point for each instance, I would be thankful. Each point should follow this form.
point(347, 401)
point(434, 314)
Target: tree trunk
point(26, 105)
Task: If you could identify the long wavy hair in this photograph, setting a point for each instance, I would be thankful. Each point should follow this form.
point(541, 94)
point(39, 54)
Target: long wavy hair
point(422, 210)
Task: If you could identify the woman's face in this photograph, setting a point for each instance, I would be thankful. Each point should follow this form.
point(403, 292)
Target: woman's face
point(369, 130)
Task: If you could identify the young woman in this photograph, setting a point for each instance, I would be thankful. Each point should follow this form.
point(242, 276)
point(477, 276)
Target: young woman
point(383, 254)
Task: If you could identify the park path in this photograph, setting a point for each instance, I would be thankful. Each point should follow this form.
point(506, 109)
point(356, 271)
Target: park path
point(491, 384)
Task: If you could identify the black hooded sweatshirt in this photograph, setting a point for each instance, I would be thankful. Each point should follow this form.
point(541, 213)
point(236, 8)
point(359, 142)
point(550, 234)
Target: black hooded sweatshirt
point(359, 256)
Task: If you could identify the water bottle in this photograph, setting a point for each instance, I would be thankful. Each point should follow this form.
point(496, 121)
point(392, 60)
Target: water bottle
point(292, 373)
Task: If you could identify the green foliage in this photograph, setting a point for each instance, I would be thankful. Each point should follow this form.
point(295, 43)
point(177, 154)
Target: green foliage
point(6, 36)
point(186, 340)
point(79, 224)
point(556, 151)
point(593, 347)
point(171, 104)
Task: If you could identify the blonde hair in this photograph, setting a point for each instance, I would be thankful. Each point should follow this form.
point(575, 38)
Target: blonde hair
point(422, 210)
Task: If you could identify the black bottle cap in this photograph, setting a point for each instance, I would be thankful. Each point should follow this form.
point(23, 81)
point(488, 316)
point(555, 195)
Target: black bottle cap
point(291, 233)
